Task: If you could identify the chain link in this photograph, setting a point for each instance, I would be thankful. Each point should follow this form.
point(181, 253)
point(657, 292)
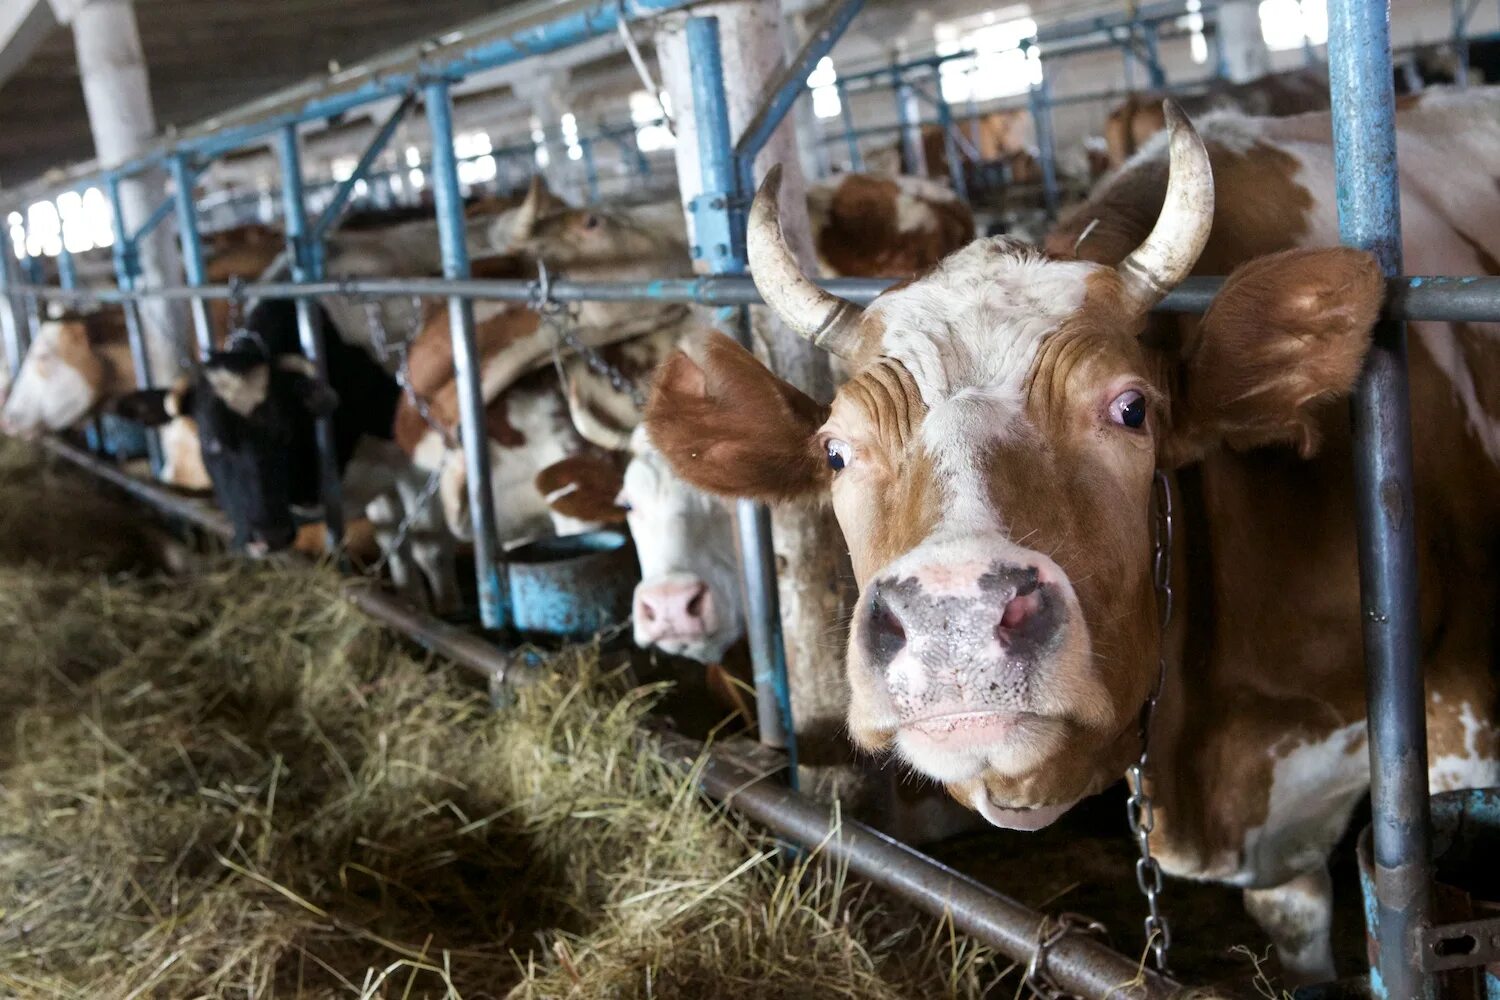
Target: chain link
point(560, 320)
point(1049, 933)
point(1138, 807)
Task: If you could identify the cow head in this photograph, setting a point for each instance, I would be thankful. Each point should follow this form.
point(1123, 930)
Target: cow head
point(254, 413)
point(64, 375)
point(688, 600)
point(991, 465)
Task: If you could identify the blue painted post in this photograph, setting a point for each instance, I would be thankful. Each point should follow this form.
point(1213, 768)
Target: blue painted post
point(1364, 146)
point(590, 169)
point(191, 242)
point(12, 329)
point(1154, 69)
point(1041, 117)
point(1461, 42)
point(719, 228)
point(851, 139)
point(450, 218)
point(950, 145)
point(127, 271)
point(67, 269)
point(913, 155)
point(307, 265)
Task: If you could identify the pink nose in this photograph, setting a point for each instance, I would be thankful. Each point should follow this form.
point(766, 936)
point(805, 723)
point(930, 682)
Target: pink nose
point(675, 609)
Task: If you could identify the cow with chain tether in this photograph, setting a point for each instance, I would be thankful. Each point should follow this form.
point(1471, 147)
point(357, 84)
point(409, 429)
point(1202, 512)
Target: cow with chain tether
point(1001, 464)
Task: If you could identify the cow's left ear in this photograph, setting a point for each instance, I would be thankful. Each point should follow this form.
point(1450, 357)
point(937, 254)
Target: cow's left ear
point(316, 395)
point(1285, 336)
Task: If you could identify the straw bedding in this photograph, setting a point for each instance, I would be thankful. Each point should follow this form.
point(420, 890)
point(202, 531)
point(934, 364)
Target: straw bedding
point(235, 785)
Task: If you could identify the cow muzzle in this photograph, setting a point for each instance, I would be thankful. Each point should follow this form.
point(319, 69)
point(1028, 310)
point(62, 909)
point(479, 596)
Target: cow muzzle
point(968, 665)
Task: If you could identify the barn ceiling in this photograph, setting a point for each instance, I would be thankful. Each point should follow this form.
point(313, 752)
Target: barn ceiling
point(205, 56)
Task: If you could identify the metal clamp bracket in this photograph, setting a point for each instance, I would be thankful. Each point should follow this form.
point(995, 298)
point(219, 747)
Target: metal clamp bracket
point(1461, 945)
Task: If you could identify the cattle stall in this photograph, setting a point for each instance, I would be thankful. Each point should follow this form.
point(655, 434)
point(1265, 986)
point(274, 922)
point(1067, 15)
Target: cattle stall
point(1360, 80)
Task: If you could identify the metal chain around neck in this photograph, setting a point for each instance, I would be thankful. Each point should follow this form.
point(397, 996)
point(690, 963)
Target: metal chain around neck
point(561, 320)
point(1138, 807)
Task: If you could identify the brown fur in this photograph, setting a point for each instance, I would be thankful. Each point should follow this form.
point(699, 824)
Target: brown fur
point(860, 239)
point(730, 427)
point(597, 478)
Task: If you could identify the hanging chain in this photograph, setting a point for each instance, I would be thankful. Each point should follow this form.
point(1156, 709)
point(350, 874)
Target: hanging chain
point(1052, 930)
point(1138, 807)
point(401, 350)
point(561, 320)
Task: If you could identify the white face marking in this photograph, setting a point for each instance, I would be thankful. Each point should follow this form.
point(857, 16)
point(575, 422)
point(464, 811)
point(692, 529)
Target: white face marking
point(48, 394)
point(183, 455)
point(914, 215)
point(969, 334)
point(242, 393)
point(681, 533)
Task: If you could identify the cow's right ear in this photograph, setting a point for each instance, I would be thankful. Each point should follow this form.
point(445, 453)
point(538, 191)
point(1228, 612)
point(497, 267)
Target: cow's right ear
point(730, 427)
point(151, 407)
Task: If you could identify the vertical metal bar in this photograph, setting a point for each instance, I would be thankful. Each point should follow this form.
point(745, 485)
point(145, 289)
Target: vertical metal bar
point(913, 156)
point(950, 144)
point(450, 218)
point(851, 140)
point(1364, 146)
point(590, 169)
point(11, 329)
point(1041, 117)
point(1153, 55)
point(721, 194)
point(1460, 44)
point(127, 270)
point(67, 268)
point(307, 265)
point(191, 242)
point(31, 271)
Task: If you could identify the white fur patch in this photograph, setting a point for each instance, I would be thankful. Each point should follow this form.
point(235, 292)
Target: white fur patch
point(1468, 769)
point(914, 215)
point(48, 394)
point(241, 393)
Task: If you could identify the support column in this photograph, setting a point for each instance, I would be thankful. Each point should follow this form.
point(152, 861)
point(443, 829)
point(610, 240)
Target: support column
point(545, 94)
point(1245, 54)
point(117, 94)
point(807, 541)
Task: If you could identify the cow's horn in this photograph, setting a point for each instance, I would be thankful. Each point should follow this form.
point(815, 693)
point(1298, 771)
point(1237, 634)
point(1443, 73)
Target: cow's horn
point(828, 321)
point(1167, 256)
point(530, 209)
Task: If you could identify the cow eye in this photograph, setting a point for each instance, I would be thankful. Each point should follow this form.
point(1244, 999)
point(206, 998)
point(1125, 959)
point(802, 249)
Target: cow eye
point(623, 503)
point(838, 454)
point(1129, 409)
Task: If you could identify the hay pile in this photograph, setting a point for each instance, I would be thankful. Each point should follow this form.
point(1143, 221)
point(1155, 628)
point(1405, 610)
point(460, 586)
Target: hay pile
point(238, 786)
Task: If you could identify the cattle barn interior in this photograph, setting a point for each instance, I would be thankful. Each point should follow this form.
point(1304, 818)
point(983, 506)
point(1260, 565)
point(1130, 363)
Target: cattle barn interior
point(771, 498)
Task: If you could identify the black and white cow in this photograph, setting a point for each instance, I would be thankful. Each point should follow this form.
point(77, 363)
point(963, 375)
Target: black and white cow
point(255, 406)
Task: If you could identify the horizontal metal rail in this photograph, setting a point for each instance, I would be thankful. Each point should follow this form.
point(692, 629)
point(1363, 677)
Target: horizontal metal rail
point(1441, 299)
point(164, 500)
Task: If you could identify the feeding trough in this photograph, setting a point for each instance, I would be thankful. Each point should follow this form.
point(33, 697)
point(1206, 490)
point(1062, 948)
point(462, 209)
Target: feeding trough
point(572, 586)
point(1466, 890)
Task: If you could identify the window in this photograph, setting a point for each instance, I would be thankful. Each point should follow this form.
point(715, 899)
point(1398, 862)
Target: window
point(825, 92)
point(1193, 22)
point(342, 168)
point(651, 131)
point(1291, 24)
point(76, 221)
point(97, 220)
point(475, 165)
point(569, 125)
point(999, 66)
point(43, 230)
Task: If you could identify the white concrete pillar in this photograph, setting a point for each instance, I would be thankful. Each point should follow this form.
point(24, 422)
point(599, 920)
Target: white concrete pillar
point(117, 94)
point(546, 93)
point(807, 540)
point(1245, 54)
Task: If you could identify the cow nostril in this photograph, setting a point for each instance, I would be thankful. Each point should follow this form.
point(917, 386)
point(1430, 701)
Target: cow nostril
point(1018, 610)
point(647, 611)
point(885, 634)
point(1029, 582)
point(695, 603)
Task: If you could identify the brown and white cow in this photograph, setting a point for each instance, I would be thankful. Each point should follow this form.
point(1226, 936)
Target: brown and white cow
point(1275, 95)
point(991, 464)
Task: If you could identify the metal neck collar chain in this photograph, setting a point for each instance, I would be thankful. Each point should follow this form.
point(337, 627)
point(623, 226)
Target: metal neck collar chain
point(1138, 807)
point(562, 321)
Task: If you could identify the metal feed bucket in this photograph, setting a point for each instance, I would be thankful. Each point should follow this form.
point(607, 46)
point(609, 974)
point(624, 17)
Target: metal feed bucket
point(572, 586)
point(1466, 881)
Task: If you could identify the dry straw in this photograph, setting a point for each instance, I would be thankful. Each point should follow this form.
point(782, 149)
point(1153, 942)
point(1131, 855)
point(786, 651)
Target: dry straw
point(234, 785)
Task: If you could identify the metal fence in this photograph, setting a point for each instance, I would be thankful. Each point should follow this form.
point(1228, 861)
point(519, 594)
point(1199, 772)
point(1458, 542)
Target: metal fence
point(1369, 211)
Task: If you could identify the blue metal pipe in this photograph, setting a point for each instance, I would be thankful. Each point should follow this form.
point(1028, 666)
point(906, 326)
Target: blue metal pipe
point(367, 159)
point(191, 243)
point(718, 220)
point(12, 328)
point(851, 138)
point(307, 265)
point(466, 361)
point(157, 217)
point(590, 169)
point(791, 83)
point(127, 269)
point(67, 268)
point(1041, 115)
point(1369, 204)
